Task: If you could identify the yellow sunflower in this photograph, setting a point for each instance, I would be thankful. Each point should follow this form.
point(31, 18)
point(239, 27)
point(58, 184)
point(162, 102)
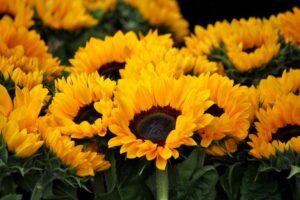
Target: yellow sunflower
point(251, 44)
point(158, 59)
point(82, 105)
point(85, 161)
point(105, 56)
point(201, 44)
point(163, 13)
point(230, 111)
point(279, 132)
point(99, 4)
point(272, 88)
point(157, 114)
point(21, 10)
point(23, 49)
point(18, 119)
point(289, 25)
point(67, 15)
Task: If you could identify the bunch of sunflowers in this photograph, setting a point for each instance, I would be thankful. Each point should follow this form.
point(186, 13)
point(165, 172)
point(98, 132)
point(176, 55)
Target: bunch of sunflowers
point(102, 99)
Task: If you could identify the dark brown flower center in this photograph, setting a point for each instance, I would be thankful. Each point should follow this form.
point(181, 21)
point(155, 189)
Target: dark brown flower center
point(87, 113)
point(154, 124)
point(286, 133)
point(250, 49)
point(111, 70)
point(215, 110)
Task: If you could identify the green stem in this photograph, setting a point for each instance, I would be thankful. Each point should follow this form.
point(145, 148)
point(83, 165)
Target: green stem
point(201, 158)
point(161, 184)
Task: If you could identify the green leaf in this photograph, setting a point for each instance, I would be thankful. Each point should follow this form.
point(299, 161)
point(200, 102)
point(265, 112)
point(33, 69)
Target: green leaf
point(12, 197)
point(231, 180)
point(201, 185)
point(259, 186)
point(3, 152)
point(294, 171)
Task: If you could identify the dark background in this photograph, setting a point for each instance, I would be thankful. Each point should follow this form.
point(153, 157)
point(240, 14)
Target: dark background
point(203, 12)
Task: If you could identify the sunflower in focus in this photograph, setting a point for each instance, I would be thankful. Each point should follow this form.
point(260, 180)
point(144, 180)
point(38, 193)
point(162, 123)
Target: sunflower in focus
point(230, 112)
point(26, 53)
point(106, 56)
point(280, 132)
point(272, 88)
point(84, 159)
point(19, 117)
point(67, 15)
point(163, 13)
point(20, 10)
point(289, 25)
point(252, 44)
point(156, 115)
point(82, 105)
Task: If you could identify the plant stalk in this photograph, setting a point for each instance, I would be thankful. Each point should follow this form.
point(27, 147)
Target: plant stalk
point(162, 188)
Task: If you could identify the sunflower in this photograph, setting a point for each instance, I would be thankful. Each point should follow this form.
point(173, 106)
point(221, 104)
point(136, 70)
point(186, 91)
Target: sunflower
point(272, 88)
point(201, 44)
point(163, 13)
point(25, 50)
point(279, 132)
point(252, 44)
point(289, 25)
point(230, 111)
point(105, 56)
point(21, 10)
point(67, 15)
point(99, 4)
point(18, 119)
point(157, 114)
point(158, 59)
point(85, 161)
point(82, 105)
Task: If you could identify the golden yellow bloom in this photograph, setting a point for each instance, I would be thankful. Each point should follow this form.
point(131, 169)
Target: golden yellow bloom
point(82, 105)
point(251, 44)
point(19, 119)
point(277, 128)
point(105, 56)
point(272, 88)
point(230, 111)
point(157, 114)
point(289, 25)
point(201, 44)
point(217, 150)
point(25, 51)
point(83, 160)
point(21, 10)
point(163, 13)
point(99, 4)
point(67, 15)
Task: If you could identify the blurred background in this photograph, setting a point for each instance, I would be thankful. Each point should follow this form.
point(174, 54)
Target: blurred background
point(206, 12)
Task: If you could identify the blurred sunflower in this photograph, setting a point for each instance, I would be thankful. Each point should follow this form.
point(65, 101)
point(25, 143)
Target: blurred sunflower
point(82, 105)
point(26, 52)
point(157, 114)
point(66, 15)
point(272, 88)
point(20, 10)
point(289, 25)
point(18, 119)
point(201, 44)
point(99, 4)
point(167, 14)
point(106, 56)
point(279, 132)
point(83, 159)
point(252, 44)
point(230, 111)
